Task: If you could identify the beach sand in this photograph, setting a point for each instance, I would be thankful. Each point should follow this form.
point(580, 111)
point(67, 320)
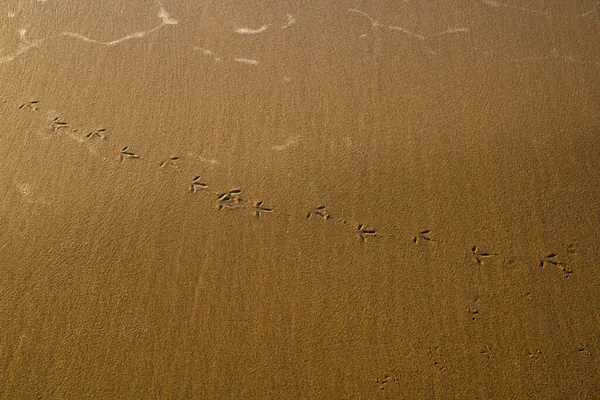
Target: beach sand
point(300, 200)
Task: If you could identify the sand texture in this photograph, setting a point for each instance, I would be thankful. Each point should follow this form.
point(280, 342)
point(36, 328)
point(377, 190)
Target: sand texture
point(300, 199)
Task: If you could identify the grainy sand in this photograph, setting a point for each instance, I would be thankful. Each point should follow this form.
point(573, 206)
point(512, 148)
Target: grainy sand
point(430, 188)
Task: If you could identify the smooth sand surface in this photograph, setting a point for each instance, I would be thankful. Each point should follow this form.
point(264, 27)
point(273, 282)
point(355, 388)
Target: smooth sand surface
point(430, 187)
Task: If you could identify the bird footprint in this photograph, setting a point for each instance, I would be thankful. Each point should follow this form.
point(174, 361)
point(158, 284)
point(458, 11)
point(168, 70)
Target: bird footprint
point(424, 235)
point(259, 209)
point(100, 133)
point(32, 105)
point(197, 184)
point(57, 124)
point(479, 256)
point(364, 233)
point(171, 162)
point(474, 313)
point(230, 199)
point(552, 259)
point(320, 212)
point(126, 154)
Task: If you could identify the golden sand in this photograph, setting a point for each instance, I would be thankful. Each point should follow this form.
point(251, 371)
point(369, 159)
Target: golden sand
point(299, 200)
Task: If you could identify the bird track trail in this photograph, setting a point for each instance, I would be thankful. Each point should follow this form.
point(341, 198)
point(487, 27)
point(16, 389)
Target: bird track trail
point(235, 199)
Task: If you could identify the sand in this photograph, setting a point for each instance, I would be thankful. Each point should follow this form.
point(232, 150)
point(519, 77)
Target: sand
point(299, 200)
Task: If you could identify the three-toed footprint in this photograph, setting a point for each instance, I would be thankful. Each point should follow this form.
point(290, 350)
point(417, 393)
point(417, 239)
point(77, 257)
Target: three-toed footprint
point(320, 212)
point(197, 184)
point(31, 105)
point(99, 133)
point(423, 235)
point(126, 154)
point(479, 256)
point(259, 208)
point(230, 199)
point(365, 233)
point(170, 162)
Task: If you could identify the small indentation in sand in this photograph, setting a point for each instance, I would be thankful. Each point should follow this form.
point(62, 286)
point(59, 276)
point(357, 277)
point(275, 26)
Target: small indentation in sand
point(25, 189)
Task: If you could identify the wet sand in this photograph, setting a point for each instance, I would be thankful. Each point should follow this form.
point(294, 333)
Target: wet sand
point(300, 200)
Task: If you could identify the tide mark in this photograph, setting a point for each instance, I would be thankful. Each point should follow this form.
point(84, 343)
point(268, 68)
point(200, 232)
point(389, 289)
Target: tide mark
point(250, 61)
point(291, 20)
point(250, 31)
